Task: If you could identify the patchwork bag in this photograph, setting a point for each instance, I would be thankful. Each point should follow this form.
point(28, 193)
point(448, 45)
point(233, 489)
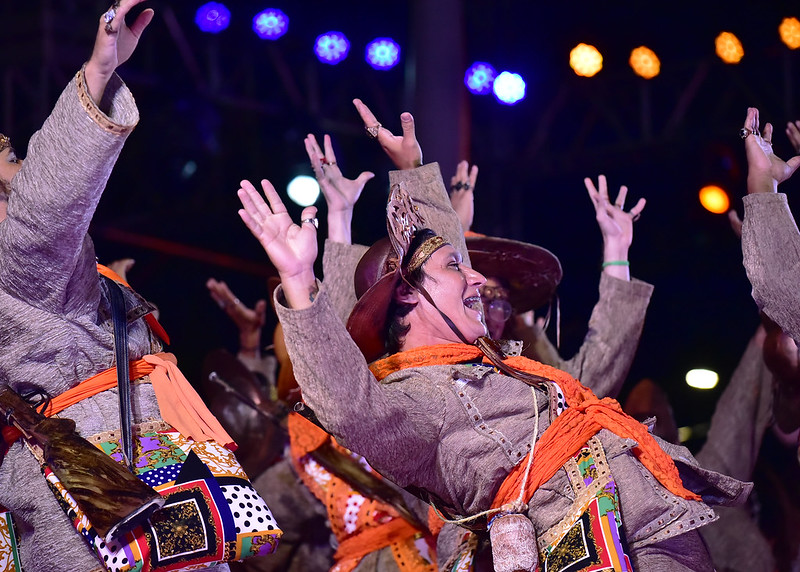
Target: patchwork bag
point(212, 514)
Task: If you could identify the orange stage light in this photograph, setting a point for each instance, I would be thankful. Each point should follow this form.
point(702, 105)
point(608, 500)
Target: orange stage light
point(645, 62)
point(729, 48)
point(585, 60)
point(790, 32)
point(714, 199)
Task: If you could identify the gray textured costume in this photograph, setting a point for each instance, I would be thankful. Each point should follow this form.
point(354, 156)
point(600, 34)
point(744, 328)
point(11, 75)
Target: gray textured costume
point(771, 255)
point(456, 431)
point(55, 318)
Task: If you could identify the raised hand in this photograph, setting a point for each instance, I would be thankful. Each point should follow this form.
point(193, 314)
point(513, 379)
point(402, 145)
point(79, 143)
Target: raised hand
point(249, 321)
point(462, 187)
point(615, 223)
point(793, 133)
point(403, 150)
point(736, 223)
point(114, 44)
point(765, 170)
point(291, 248)
point(341, 194)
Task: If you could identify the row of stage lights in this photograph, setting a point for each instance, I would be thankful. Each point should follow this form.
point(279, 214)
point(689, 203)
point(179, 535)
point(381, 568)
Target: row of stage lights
point(481, 78)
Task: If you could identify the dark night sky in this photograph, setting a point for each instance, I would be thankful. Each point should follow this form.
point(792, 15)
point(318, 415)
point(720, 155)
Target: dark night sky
point(246, 110)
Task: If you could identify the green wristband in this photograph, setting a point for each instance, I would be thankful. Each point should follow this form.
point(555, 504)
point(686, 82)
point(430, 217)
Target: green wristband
point(616, 263)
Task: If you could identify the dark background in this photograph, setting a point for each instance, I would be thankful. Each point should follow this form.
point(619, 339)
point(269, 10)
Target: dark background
point(238, 107)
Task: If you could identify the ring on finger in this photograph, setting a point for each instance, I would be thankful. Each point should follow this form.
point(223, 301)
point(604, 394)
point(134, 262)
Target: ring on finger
point(636, 217)
point(312, 220)
point(109, 16)
point(372, 130)
point(744, 132)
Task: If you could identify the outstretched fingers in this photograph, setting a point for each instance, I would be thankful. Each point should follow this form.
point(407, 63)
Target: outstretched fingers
point(366, 115)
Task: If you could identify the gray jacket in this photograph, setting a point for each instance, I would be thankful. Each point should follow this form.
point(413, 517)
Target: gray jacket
point(456, 431)
point(55, 318)
point(771, 256)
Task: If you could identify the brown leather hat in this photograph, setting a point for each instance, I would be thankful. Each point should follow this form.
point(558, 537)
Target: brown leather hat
point(531, 272)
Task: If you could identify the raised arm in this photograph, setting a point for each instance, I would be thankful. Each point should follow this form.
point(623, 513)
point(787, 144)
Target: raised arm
point(43, 244)
point(616, 226)
point(615, 326)
point(462, 193)
point(340, 256)
point(770, 239)
point(381, 422)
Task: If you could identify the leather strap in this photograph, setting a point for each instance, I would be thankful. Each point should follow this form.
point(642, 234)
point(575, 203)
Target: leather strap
point(119, 316)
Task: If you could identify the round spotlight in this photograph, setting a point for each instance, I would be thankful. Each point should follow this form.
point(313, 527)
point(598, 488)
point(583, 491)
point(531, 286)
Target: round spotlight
point(728, 47)
point(585, 60)
point(212, 17)
point(383, 53)
point(509, 88)
point(331, 48)
point(645, 62)
point(702, 378)
point(303, 190)
point(790, 32)
point(480, 78)
point(714, 199)
point(270, 24)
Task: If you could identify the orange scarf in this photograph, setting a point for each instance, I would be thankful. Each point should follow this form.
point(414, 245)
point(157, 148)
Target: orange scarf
point(178, 402)
point(568, 432)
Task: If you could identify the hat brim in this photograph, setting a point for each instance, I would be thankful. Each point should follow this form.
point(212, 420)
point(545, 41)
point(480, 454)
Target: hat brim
point(367, 322)
point(531, 272)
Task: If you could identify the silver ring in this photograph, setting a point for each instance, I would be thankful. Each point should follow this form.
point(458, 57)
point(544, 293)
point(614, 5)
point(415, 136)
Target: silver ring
point(373, 131)
point(744, 132)
point(313, 221)
point(109, 16)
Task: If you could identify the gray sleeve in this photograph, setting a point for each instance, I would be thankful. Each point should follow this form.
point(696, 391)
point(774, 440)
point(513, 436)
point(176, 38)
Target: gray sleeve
point(339, 263)
point(615, 327)
point(426, 187)
point(391, 425)
point(43, 243)
point(771, 256)
point(741, 416)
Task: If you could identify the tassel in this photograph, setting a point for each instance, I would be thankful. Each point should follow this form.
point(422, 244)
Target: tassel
point(513, 543)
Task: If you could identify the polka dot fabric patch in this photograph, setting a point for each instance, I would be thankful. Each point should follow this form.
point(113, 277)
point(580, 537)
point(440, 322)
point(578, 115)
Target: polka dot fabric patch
point(212, 514)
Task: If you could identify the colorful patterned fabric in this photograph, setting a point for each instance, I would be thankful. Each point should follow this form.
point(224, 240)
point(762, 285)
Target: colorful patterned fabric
point(592, 542)
point(9, 542)
point(212, 513)
point(360, 524)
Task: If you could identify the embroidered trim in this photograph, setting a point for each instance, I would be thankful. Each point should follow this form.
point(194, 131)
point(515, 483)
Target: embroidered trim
point(513, 453)
point(424, 252)
point(152, 426)
point(93, 111)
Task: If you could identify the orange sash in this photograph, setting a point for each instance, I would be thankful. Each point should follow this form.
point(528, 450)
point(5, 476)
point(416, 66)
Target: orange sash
point(373, 539)
point(568, 432)
point(178, 402)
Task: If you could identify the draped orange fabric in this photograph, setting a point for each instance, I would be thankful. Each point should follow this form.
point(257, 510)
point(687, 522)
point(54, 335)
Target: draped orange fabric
point(177, 399)
point(567, 433)
point(304, 436)
point(372, 539)
point(151, 320)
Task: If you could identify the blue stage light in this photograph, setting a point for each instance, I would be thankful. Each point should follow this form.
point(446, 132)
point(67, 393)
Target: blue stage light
point(270, 24)
point(479, 78)
point(509, 88)
point(383, 53)
point(212, 17)
point(332, 47)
